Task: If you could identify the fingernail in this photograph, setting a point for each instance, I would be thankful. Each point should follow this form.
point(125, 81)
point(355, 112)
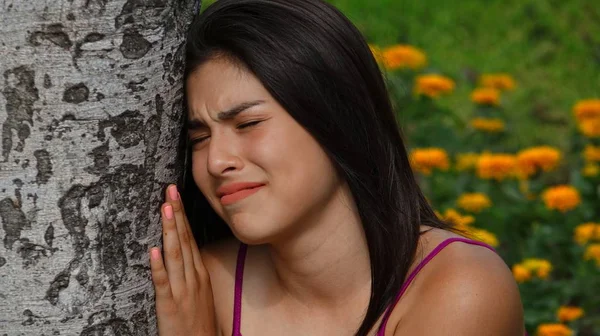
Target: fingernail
point(155, 253)
point(169, 212)
point(173, 193)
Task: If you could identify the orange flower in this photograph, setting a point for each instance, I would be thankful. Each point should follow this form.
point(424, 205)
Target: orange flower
point(483, 236)
point(592, 252)
point(554, 329)
point(562, 198)
point(424, 160)
point(541, 267)
point(474, 202)
point(569, 313)
point(496, 166)
point(590, 169)
point(592, 153)
point(590, 127)
point(587, 109)
point(532, 160)
point(491, 125)
point(497, 81)
point(433, 85)
point(456, 219)
point(521, 273)
point(486, 96)
point(403, 56)
point(586, 232)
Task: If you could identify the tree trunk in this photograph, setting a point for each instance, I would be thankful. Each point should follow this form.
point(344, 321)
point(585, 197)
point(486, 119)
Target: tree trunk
point(91, 115)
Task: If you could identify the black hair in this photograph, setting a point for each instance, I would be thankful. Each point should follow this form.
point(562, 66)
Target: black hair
point(318, 66)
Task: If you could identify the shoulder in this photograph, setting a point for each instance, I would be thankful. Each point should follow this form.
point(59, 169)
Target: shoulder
point(465, 290)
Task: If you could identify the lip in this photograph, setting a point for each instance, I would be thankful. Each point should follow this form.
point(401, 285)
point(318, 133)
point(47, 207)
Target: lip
point(231, 193)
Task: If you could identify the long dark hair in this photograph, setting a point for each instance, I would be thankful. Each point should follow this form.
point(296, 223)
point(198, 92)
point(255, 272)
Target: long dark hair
point(318, 66)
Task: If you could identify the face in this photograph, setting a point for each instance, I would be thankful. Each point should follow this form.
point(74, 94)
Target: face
point(262, 172)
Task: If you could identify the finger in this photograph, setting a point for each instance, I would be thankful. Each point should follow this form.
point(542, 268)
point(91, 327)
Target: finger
point(160, 278)
point(195, 248)
point(172, 250)
point(197, 256)
point(182, 231)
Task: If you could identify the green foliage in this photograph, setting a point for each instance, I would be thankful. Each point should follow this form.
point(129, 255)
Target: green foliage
point(551, 47)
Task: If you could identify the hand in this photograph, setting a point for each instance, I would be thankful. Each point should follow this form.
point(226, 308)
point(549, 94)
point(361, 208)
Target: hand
point(184, 300)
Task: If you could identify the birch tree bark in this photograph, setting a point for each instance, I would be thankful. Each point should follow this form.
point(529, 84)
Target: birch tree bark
point(90, 108)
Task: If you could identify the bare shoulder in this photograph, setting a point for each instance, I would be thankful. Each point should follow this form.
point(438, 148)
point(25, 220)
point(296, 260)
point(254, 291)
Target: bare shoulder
point(465, 290)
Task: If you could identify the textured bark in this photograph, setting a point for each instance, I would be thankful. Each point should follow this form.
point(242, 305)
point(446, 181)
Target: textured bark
point(90, 108)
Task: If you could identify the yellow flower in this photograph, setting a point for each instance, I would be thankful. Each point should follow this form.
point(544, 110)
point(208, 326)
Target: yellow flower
point(497, 81)
point(542, 158)
point(590, 127)
point(521, 273)
point(590, 169)
point(587, 109)
point(484, 236)
point(491, 125)
point(592, 153)
point(474, 202)
point(569, 313)
point(554, 329)
point(424, 160)
point(592, 252)
point(455, 218)
point(433, 85)
point(486, 96)
point(466, 161)
point(496, 166)
point(562, 198)
point(403, 56)
point(586, 232)
point(541, 267)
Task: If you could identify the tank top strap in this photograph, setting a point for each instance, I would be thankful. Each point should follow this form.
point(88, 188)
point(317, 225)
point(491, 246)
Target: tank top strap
point(413, 274)
point(237, 296)
point(239, 279)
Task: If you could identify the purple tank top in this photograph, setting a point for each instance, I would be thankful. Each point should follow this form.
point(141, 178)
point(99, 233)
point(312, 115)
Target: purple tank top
point(239, 277)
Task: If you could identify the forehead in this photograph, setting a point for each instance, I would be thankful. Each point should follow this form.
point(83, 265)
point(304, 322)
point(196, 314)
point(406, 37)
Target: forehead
point(218, 85)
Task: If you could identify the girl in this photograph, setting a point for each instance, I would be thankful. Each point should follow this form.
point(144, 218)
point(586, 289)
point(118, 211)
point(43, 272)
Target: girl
point(301, 186)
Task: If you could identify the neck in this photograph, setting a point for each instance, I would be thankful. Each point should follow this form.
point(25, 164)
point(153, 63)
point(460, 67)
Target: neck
point(328, 262)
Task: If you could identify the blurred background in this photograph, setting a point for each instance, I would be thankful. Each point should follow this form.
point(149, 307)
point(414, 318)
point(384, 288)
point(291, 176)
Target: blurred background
point(499, 102)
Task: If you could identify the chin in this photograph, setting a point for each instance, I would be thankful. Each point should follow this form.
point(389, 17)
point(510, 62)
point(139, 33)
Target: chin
point(253, 230)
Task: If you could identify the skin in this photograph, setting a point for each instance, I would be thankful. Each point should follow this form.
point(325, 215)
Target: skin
point(307, 267)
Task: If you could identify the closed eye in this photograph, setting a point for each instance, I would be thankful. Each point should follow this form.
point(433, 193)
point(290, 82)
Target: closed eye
point(249, 124)
point(197, 140)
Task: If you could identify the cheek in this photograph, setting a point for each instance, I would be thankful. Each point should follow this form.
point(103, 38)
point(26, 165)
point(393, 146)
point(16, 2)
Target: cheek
point(294, 162)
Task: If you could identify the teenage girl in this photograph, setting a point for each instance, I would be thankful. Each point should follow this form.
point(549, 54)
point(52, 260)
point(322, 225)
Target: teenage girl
point(297, 159)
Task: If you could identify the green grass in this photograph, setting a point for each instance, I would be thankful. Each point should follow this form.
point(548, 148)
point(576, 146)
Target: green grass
point(551, 47)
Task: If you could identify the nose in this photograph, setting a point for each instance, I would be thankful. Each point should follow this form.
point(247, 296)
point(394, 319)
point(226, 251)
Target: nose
point(223, 155)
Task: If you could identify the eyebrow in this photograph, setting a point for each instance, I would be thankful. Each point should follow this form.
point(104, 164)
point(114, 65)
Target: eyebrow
point(229, 114)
